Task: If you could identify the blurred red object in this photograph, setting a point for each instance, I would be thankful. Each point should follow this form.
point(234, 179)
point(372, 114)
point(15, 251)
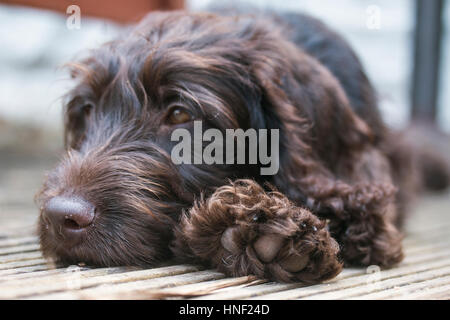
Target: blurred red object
point(119, 11)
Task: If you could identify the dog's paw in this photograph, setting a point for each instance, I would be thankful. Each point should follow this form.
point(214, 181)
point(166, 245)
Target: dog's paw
point(243, 230)
point(380, 246)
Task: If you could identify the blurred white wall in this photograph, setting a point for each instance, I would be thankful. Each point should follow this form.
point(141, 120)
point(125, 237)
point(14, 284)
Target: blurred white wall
point(444, 98)
point(33, 43)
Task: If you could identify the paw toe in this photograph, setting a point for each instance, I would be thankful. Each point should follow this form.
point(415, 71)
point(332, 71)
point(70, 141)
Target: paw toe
point(294, 262)
point(334, 246)
point(268, 246)
point(228, 240)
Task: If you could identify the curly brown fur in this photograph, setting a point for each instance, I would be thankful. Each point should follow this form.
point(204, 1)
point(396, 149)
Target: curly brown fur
point(242, 229)
point(338, 162)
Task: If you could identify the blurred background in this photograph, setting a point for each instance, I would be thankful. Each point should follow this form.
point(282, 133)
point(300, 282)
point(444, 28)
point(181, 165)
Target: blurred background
point(403, 44)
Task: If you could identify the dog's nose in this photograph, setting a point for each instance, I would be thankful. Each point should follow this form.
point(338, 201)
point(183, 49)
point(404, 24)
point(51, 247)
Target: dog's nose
point(69, 216)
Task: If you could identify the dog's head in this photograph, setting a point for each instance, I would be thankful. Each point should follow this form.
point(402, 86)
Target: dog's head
point(116, 195)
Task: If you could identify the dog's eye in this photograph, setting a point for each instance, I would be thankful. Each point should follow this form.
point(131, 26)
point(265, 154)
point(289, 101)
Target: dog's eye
point(179, 115)
point(87, 110)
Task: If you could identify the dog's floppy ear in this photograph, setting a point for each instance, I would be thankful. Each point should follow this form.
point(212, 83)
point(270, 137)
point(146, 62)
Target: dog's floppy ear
point(300, 96)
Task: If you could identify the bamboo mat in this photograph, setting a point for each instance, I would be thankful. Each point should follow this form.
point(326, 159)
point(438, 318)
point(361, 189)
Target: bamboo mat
point(25, 274)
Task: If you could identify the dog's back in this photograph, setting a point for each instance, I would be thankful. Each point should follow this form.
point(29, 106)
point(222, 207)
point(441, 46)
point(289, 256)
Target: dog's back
point(335, 53)
point(332, 50)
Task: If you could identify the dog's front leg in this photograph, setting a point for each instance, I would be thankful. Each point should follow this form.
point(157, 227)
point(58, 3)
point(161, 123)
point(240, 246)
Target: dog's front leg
point(362, 211)
point(243, 230)
point(365, 229)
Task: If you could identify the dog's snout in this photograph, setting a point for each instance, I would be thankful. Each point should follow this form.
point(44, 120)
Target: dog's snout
point(69, 216)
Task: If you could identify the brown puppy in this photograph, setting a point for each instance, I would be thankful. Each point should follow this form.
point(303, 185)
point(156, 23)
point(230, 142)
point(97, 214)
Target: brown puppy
point(117, 197)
